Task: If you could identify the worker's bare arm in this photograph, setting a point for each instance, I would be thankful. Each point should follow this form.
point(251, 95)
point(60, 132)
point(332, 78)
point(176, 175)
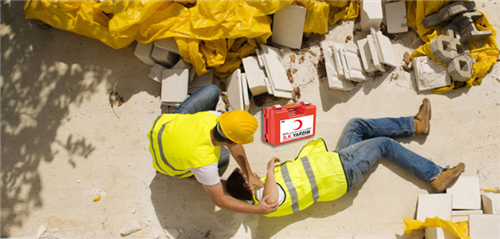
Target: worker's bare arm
point(270, 187)
point(217, 195)
point(239, 155)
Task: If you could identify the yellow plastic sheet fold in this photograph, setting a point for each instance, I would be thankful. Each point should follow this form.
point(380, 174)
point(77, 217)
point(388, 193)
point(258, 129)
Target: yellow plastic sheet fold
point(458, 229)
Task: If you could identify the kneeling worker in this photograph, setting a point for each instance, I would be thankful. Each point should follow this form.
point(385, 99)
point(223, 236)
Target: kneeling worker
point(187, 143)
point(319, 175)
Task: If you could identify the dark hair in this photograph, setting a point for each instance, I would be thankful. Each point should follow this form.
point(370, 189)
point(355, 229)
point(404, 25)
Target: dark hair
point(219, 137)
point(235, 188)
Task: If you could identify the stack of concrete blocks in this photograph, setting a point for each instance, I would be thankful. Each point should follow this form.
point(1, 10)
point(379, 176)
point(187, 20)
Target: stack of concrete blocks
point(237, 91)
point(448, 12)
point(376, 52)
point(277, 79)
point(448, 49)
point(343, 65)
point(395, 17)
point(288, 26)
point(429, 74)
point(371, 14)
point(431, 206)
point(468, 30)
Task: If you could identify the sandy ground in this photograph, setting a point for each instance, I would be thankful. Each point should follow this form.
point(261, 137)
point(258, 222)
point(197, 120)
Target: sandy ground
point(62, 145)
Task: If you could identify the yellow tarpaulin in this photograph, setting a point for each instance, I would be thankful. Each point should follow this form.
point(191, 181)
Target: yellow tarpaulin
point(458, 229)
point(485, 52)
point(210, 34)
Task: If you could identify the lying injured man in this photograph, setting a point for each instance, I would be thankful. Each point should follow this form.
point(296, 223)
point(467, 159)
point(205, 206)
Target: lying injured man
point(319, 175)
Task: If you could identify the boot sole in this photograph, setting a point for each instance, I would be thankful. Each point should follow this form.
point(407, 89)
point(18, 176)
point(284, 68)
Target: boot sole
point(428, 118)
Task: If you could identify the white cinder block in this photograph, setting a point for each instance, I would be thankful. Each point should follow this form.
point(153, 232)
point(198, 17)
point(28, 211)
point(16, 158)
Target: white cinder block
point(395, 17)
point(335, 81)
point(435, 205)
point(288, 26)
point(371, 14)
point(174, 86)
point(463, 215)
point(143, 52)
point(466, 193)
point(234, 92)
point(164, 57)
point(168, 44)
point(374, 51)
point(156, 72)
point(244, 88)
point(268, 86)
point(429, 74)
point(486, 226)
point(276, 72)
point(366, 56)
point(385, 50)
point(491, 203)
point(283, 94)
point(354, 65)
point(255, 75)
point(200, 81)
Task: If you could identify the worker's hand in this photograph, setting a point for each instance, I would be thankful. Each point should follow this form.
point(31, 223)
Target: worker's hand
point(252, 180)
point(266, 208)
point(271, 163)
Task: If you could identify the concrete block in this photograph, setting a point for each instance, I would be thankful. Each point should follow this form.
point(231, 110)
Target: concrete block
point(491, 203)
point(466, 193)
point(366, 56)
point(283, 94)
point(460, 68)
point(168, 44)
point(385, 50)
point(199, 81)
point(174, 86)
point(335, 81)
point(463, 215)
point(371, 14)
point(486, 226)
point(445, 48)
point(268, 86)
point(372, 45)
point(258, 52)
point(435, 205)
point(431, 20)
point(156, 72)
point(468, 30)
point(234, 91)
point(255, 75)
point(143, 52)
point(451, 10)
point(164, 57)
point(395, 17)
point(288, 26)
point(244, 89)
point(429, 74)
point(275, 70)
point(354, 66)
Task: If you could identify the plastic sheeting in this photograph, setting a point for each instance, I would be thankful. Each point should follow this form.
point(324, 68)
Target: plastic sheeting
point(210, 34)
point(458, 229)
point(485, 52)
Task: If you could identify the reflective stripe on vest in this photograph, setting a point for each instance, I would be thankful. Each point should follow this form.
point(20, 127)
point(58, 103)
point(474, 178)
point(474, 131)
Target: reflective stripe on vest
point(291, 187)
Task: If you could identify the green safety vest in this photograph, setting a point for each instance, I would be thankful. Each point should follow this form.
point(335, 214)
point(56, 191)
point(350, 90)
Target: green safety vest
point(316, 175)
point(179, 142)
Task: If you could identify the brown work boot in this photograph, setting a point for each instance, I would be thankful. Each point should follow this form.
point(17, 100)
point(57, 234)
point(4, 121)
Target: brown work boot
point(422, 119)
point(447, 177)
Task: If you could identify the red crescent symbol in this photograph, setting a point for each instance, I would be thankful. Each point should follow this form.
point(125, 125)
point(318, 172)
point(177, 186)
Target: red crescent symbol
point(300, 124)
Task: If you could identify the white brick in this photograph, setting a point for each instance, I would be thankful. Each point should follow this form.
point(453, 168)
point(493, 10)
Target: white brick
point(255, 75)
point(276, 72)
point(288, 26)
point(174, 86)
point(435, 205)
point(268, 86)
point(283, 94)
point(466, 193)
point(164, 57)
point(395, 17)
point(354, 65)
point(491, 203)
point(143, 52)
point(168, 44)
point(200, 81)
point(335, 81)
point(366, 56)
point(156, 72)
point(259, 58)
point(486, 226)
point(244, 88)
point(371, 14)
point(385, 50)
point(234, 92)
point(372, 45)
point(429, 74)
point(463, 215)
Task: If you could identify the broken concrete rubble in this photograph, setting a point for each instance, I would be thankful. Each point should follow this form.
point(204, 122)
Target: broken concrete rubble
point(371, 14)
point(445, 48)
point(255, 75)
point(276, 72)
point(448, 12)
point(429, 74)
point(468, 30)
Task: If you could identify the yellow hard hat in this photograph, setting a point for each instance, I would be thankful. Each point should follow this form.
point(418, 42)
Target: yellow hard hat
point(238, 126)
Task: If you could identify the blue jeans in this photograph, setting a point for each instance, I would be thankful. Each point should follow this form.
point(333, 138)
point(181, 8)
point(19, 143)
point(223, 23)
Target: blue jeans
point(204, 99)
point(364, 141)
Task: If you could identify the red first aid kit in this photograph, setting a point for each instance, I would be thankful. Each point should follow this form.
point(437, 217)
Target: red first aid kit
point(283, 124)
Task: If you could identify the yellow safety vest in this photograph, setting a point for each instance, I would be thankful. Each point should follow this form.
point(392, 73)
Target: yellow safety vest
point(315, 176)
point(178, 142)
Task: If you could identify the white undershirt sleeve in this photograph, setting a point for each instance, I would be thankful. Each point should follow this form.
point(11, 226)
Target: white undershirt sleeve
point(207, 175)
point(260, 191)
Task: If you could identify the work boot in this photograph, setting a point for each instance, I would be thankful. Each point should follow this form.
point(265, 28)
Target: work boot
point(422, 119)
point(447, 177)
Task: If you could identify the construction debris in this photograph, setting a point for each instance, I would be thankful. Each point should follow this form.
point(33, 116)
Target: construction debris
point(288, 26)
point(130, 228)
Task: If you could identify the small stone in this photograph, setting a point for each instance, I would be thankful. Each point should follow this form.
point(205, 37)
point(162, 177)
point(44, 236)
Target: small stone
point(130, 228)
point(41, 230)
